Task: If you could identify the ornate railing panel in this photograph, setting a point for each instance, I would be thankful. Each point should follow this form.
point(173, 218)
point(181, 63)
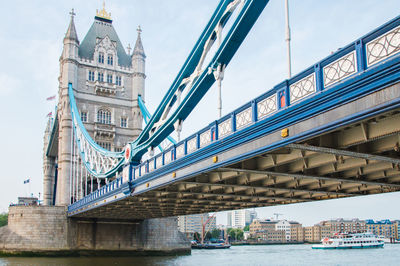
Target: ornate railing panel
point(180, 151)
point(243, 118)
point(191, 145)
point(225, 128)
point(383, 46)
point(205, 139)
point(340, 69)
point(266, 106)
point(302, 88)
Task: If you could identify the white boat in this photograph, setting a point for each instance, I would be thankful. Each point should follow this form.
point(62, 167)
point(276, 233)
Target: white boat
point(349, 240)
point(384, 239)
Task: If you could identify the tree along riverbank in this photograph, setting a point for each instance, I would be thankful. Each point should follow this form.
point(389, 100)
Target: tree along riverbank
point(3, 219)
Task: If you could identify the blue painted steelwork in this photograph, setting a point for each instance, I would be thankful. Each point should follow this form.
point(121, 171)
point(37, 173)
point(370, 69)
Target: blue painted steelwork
point(194, 80)
point(91, 153)
point(147, 117)
point(201, 79)
point(321, 100)
point(363, 81)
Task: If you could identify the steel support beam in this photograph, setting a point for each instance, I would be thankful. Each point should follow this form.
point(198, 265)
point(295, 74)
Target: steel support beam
point(365, 156)
point(284, 190)
point(300, 176)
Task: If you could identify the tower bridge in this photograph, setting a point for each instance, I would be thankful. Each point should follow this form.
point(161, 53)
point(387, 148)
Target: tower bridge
point(331, 131)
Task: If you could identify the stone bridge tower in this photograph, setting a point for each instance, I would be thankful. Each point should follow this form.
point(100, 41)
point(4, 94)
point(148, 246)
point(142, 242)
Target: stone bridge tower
point(107, 81)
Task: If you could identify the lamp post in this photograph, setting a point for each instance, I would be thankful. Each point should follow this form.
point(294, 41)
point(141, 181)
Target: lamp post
point(287, 39)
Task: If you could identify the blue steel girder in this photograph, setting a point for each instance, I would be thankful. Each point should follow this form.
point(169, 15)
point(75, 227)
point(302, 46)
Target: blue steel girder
point(147, 117)
point(193, 77)
point(98, 161)
point(379, 70)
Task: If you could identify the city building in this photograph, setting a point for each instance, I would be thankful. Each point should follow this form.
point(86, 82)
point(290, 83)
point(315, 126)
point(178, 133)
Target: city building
point(259, 226)
point(276, 231)
point(107, 81)
point(397, 224)
point(250, 216)
point(384, 228)
point(272, 236)
point(240, 218)
point(317, 232)
point(342, 225)
point(190, 224)
point(296, 232)
point(283, 225)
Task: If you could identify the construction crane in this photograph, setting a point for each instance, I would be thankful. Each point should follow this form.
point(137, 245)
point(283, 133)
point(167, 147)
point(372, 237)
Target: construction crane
point(277, 215)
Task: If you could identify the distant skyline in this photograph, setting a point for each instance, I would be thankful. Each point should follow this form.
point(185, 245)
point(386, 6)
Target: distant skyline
point(31, 41)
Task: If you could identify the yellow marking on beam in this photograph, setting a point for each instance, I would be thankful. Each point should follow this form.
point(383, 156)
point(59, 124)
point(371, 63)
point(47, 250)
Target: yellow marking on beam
point(285, 133)
point(215, 159)
point(148, 184)
point(173, 174)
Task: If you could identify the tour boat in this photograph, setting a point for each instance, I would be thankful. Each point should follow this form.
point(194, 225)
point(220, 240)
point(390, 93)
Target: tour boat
point(349, 240)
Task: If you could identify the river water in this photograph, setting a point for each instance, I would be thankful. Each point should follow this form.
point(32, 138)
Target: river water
point(240, 255)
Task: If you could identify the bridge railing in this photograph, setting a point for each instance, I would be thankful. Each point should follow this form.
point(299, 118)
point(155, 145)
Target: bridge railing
point(366, 52)
point(370, 51)
point(97, 194)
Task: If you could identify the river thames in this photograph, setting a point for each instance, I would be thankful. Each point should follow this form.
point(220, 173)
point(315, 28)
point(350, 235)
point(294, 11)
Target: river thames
point(240, 255)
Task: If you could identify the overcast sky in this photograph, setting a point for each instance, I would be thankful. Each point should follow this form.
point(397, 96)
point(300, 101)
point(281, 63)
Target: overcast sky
point(31, 35)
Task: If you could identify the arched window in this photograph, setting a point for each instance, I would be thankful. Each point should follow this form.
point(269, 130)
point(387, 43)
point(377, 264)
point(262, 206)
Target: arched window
point(110, 59)
point(104, 117)
point(101, 58)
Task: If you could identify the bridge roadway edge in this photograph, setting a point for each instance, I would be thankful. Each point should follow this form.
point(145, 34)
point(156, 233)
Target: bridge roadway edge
point(229, 156)
point(380, 79)
point(387, 84)
point(47, 231)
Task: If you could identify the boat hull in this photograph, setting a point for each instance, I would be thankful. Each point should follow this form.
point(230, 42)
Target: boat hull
point(210, 246)
point(347, 247)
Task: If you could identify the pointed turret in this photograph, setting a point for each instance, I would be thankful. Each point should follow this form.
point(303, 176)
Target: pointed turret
point(138, 50)
point(71, 42)
point(138, 79)
point(71, 32)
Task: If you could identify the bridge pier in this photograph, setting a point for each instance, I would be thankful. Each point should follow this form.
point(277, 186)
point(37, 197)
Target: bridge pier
point(47, 231)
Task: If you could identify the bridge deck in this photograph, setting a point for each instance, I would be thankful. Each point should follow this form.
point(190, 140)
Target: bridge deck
point(347, 159)
point(332, 131)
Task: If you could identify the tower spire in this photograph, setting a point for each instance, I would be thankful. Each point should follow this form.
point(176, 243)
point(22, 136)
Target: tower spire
point(71, 32)
point(103, 14)
point(138, 50)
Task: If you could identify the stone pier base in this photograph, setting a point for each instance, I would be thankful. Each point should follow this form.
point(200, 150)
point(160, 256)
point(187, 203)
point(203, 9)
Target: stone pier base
point(47, 231)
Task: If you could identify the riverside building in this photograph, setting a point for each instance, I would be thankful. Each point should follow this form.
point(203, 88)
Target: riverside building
point(384, 228)
point(190, 224)
point(281, 231)
point(341, 225)
point(240, 218)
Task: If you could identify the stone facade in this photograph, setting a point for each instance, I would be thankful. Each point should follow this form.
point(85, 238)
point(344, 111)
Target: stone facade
point(32, 228)
point(345, 226)
point(46, 230)
point(107, 82)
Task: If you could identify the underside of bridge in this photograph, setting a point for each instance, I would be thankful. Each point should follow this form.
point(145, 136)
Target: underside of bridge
point(365, 160)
